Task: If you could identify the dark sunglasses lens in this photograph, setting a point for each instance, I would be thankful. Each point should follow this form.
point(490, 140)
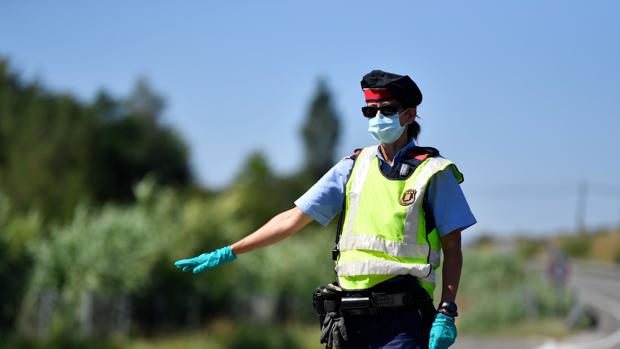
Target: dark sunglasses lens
point(389, 110)
point(369, 112)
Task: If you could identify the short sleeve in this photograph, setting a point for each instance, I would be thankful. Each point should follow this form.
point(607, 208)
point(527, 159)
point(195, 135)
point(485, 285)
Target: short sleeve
point(323, 201)
point(447, 202)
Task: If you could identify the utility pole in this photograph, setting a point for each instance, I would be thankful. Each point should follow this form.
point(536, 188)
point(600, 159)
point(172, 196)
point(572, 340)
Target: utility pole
point(580, 214)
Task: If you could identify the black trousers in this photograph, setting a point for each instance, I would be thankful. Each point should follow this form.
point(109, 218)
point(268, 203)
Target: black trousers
point(399, 329)
point(405, 329)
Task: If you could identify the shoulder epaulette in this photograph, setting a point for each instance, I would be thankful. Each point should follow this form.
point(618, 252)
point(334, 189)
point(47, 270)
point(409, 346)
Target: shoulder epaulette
point(420, 154)
point(355, 154)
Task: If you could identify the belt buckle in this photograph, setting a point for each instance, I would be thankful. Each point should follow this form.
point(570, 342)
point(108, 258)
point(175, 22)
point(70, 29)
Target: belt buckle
point(356, 306)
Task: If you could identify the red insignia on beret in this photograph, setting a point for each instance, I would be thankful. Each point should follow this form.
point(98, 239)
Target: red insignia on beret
point(377, 94)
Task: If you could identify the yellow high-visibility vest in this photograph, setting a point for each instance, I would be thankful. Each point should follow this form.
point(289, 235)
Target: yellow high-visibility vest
point(384, 231)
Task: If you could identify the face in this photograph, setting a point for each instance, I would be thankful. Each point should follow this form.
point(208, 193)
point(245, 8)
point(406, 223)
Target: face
point(406, 116)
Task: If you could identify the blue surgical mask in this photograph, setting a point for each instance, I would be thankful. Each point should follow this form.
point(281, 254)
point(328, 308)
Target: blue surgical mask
point(385, 129)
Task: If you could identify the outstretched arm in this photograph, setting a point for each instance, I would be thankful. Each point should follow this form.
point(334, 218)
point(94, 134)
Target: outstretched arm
point(278, 228)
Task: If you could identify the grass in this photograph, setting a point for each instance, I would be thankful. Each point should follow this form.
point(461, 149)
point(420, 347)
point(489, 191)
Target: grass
point(549, 327)
point(228, 336)
point(222, 334)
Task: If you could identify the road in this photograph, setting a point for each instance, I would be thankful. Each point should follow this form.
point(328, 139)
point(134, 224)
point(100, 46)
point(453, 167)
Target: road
point(598, 288)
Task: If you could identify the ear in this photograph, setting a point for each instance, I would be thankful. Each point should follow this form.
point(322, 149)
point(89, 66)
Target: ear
point(409, 115)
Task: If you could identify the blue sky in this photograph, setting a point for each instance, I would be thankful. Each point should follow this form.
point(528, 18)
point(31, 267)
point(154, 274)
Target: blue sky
point(524, 96)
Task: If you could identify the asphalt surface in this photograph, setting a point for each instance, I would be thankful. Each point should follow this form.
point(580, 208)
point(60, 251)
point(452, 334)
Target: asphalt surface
point(478, 343)
point(598, 289)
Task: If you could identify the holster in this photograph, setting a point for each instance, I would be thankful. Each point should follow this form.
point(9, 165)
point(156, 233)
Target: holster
point(326, 299)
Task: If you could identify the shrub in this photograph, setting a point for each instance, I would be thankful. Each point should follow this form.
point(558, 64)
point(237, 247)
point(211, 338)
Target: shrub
point(500, 290)
point(578, 246)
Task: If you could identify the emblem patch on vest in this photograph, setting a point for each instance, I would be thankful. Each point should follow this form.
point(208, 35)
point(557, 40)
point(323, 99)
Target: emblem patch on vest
point(408, 197)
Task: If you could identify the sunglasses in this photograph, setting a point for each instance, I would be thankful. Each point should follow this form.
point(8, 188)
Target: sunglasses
point(387, 110)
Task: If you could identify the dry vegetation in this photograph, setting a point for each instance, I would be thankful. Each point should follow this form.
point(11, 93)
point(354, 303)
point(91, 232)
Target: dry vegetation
point(601, 245)
point(606, 246)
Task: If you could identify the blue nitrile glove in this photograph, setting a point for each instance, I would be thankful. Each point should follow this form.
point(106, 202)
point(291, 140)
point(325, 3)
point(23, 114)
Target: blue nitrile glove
point(443, 332)
point(207, 260)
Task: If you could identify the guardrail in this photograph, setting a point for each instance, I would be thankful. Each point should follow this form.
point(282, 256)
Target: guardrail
point(598, 287)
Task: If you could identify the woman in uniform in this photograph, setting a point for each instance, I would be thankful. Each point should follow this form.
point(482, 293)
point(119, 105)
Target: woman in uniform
point(401, 208)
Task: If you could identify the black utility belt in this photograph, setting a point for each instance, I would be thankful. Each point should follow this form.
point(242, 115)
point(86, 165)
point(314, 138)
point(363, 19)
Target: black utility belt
point(375, 303)
point(332, 299)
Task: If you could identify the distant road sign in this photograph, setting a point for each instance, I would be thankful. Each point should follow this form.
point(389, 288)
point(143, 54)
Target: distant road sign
point(558, 270)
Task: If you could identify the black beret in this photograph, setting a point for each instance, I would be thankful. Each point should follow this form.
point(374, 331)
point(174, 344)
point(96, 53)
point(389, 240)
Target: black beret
point(401, 87)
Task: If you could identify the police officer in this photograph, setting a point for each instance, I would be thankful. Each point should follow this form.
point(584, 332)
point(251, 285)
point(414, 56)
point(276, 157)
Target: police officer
point(400, 206)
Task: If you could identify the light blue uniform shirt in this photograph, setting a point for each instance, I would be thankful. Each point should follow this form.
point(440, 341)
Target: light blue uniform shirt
point(444, 197)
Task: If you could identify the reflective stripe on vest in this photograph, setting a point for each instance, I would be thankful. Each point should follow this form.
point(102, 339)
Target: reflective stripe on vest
point(389, 238)
point(370, 242)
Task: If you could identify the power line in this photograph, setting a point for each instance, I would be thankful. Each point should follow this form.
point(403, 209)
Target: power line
point(549, 189)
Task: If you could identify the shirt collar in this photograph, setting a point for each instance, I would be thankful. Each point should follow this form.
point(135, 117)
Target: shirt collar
point(398, 158)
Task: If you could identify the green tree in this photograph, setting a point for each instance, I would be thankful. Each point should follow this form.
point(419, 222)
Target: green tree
point(56, 151)
point(320, 132)
point(132, 142)
point(45, 146)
